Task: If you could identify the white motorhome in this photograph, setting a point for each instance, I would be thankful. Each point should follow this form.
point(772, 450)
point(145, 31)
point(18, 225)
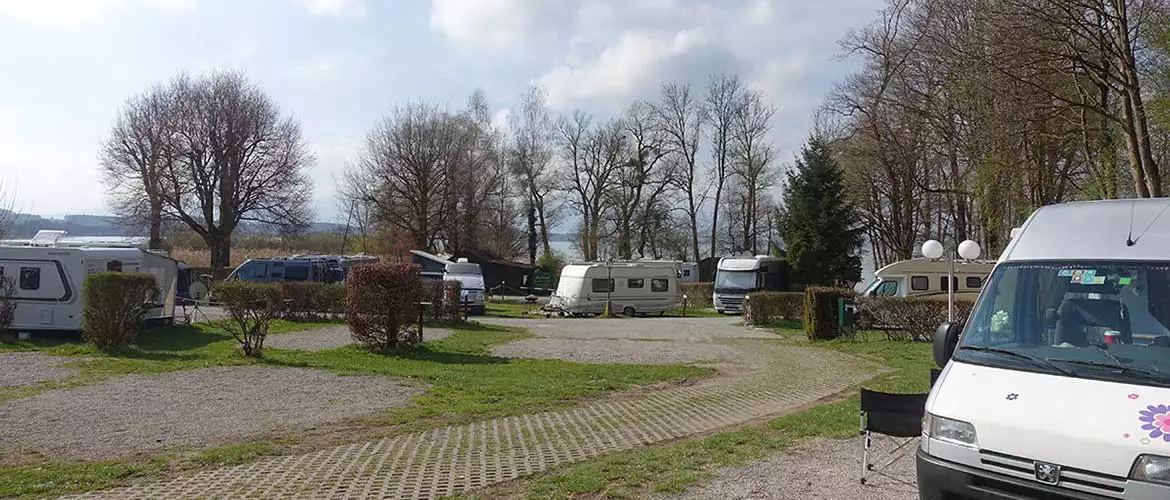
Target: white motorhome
point(735, 277)
point(470, 278)
point(1058, 386)
point(49, 278)
point(631, 289)
point(928, 278)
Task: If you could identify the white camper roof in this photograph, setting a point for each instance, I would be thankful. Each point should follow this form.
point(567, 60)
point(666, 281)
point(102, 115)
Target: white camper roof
point(744, 263)
point(1095, 230)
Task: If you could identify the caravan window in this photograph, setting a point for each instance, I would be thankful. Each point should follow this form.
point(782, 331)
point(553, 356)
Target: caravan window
point(942, 282)
point(30, 278)
point(659, 285)
point(635, 283)
point(974, 282)
point(602, 285)
point(919, 283)
point(114, 266)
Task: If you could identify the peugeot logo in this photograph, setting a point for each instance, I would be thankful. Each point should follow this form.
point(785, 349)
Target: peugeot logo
point(1047, 473)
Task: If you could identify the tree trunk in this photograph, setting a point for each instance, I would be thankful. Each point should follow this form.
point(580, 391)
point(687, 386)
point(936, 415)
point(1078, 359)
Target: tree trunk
point(155, 223)
point(531, 231)
point(219, 244)
point(714, 220)
point(1141, 188)
point(694, 227)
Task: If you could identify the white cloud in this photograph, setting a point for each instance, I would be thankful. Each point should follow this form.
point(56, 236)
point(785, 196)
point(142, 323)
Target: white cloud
point(490, 24)
point(337, 8)
point(501, 118)
point(328, 66)
point(630, 66)
point(73, 14)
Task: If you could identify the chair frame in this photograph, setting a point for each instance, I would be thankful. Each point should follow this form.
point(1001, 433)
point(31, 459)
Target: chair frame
point(893, 454)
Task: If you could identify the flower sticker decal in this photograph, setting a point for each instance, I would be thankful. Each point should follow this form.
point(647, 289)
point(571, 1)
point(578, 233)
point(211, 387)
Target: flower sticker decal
point(1133, 396)
point(1156, 420)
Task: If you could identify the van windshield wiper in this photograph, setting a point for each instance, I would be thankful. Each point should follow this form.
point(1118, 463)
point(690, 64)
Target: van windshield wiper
point(1113, 366)
point(1034, 359)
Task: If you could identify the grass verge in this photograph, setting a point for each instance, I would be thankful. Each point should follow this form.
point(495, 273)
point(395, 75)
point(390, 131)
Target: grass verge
point(671, 468)
point(466, 384)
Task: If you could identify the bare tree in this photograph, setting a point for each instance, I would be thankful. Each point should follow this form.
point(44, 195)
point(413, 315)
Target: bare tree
point(8, 213)
point(237, 160)
point(724, 96)
point(638, 177)
point(593, 155)
point(681, 118)
point(529, 157)
point(753, 155)
point(403, 171)
point(136, 158)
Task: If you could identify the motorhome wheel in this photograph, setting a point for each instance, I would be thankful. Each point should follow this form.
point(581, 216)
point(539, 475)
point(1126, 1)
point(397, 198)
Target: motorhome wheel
point(628, 312)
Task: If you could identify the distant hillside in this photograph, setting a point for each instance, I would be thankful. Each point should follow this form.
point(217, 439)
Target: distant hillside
point(27, 225)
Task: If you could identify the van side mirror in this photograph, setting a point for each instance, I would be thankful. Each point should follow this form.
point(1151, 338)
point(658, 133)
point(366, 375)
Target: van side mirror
point(946, 338)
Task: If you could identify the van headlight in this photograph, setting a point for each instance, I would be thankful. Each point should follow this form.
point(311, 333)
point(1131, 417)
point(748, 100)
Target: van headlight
point(1152, 468)
point(950, 430)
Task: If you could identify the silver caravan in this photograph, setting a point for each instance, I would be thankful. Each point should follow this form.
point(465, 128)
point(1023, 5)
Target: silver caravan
point(630, 288)
point(49, 278)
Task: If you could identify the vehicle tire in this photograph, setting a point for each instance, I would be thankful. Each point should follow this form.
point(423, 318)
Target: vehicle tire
point(629, 312)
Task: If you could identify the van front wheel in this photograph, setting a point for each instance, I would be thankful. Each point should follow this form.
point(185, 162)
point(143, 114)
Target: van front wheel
point(629, 312)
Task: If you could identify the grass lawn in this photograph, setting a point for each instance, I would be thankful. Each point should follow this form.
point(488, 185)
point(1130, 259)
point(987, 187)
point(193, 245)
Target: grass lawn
point(671, 468)
point(515, 310)
point(466, 383)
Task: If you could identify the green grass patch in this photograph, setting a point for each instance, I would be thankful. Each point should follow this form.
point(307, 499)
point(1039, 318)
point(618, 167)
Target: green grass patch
point(671, 468)
point(52, 479)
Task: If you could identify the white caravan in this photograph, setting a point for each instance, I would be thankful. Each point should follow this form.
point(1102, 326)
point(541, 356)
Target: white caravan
point(928, 278)
point(470, 278)
point(1058, 386)
point(735, 277)
point(688, 272)
point(631, 289)
point(49, 279)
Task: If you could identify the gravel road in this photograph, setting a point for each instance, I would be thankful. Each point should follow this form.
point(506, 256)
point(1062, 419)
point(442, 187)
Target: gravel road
point(331, 338)
point(202, 408)
point(820, 468)
point(635, 340)
point(26, 368)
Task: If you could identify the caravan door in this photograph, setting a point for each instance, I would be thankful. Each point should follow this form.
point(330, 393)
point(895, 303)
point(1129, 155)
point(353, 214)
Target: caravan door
point(46, 298)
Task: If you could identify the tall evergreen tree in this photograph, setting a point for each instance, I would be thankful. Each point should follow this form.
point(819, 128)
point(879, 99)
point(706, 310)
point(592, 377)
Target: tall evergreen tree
point(818, 223)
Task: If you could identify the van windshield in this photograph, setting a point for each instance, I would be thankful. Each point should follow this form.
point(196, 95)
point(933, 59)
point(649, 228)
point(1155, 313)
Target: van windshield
point(463, 268)
point(1100, 320)
point(735, 280)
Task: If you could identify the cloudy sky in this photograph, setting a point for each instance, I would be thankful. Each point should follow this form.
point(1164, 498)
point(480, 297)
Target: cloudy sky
point(339, 65)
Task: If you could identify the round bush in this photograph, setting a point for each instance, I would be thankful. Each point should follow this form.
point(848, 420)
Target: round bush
point(382, 305)
point(114, 304)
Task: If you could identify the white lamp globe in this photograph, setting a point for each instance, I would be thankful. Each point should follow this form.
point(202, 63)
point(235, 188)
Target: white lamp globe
point(932, 249)
point(969, 250)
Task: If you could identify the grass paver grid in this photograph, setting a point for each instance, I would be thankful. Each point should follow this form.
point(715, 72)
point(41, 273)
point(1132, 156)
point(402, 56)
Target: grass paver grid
point(449, 460)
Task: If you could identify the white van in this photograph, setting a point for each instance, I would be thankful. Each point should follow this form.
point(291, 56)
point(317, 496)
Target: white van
point(736, 277)
point(470, 278)
point(631, 288)
point(1058, 386)
point(49, 280)
point(928, 278)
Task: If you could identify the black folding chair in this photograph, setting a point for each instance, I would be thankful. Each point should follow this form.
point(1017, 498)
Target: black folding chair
point(892, 415)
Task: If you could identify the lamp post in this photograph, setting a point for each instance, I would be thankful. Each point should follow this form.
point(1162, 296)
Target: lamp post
point(933, 250)
point(609, 286)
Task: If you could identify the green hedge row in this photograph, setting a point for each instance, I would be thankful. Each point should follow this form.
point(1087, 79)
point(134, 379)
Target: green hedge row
point(905, 318)
point(762, 308)
point(699, 295)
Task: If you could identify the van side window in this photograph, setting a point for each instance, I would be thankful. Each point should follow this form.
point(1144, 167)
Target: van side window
point(942, 283)
point(659, 285)
point(635, 283)
point(114, 266)
point(277, 269)
point(296, 273)
point(919, 283)
point(974, 282)
point(687, 273)
point(887, 289)
point(602, 285)
point(30, 278)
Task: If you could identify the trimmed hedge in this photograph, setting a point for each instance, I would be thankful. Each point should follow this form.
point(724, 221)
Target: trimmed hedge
point(820, 312)
point(382, 305)
point(907, 318)
point(251, 307)
point(305, 301)
point(113, 307)
point(762, 308)
point(7, 309)
point(698, 295)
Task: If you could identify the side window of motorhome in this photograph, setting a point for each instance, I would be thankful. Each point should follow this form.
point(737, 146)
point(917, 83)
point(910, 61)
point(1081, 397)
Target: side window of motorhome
point(686, 273)
point(635, 283)
point(942, 283)
point(114, 266)
point(296, 273)
point(602, 285)
point(974, 282)
point(30, 278)
point(659, 285)
point(919, 283)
